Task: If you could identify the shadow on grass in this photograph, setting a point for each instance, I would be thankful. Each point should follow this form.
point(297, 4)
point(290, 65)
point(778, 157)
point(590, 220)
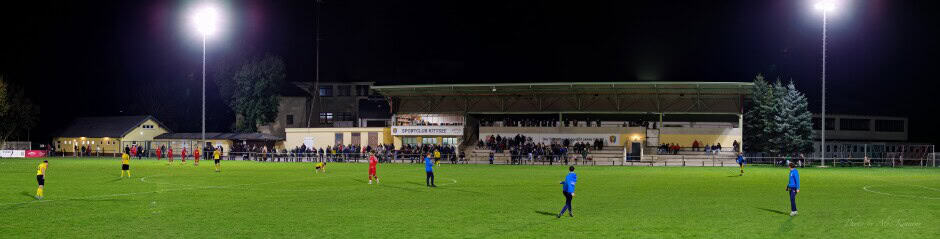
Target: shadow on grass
point(447, 188)
point(459, 190)
point(774, 211)
point(399, 188)
point(734, 176)
point(27, 194)
point(546, 213)
point(102, 200)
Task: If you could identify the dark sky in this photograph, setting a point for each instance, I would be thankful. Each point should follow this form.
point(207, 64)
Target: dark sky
point(99, 58)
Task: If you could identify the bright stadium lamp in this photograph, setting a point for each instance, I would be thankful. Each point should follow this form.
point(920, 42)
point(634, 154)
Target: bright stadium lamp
point(826, 7)
point(206, 20)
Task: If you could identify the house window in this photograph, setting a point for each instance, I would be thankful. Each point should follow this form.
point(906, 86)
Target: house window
point(326, 118)
point(889, 125)
point(409, 140)
point(344, 116)
point(326, 91)
point(290, 119)
point(429, 140)
point(147, 126)
point(449, 141)
point(362, 90)
point(343, 90)
point(854, 124)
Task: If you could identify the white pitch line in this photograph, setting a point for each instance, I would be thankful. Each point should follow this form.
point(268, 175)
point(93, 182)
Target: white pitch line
point(451, 179)
point(866, 188)
point(138, 193)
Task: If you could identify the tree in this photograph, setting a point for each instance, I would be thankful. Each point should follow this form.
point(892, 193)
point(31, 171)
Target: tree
point(761, 103)
point(17, 112)
point(777, 120)
point(255, 97)
point(3, 97)
point(793, 125)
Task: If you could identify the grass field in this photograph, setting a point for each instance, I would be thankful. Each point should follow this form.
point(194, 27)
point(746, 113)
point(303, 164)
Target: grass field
point(86, 198)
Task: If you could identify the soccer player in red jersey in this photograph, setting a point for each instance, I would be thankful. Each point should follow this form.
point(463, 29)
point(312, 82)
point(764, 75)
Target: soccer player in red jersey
point(196, 156)
point(183, 156)
point(169, 154)
point(372, 163)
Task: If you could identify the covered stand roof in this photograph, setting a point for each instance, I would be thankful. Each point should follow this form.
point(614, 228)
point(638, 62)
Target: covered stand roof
point(221, 136)
point(571, 97)
point(100, 127)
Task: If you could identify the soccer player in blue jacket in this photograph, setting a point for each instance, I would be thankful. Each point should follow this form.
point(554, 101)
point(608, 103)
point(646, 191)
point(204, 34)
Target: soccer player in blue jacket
point(567, 188)
point(793, 186)
point(429, 169)
point(740, 161)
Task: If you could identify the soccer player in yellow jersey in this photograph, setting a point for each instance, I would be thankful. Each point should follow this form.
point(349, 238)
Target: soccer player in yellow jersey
point(321, 166)
point(125, 165)
point(41, 177)
point(217, 155)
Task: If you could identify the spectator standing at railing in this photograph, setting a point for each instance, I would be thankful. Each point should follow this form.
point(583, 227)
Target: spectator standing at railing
point(736, 146)
point(718, 147)
point(708, 149)
point(695, 145)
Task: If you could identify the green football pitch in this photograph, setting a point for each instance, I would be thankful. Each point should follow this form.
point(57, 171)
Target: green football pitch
point(87, 198)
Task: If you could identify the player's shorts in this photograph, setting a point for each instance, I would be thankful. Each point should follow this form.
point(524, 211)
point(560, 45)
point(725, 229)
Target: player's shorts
point(125, 167)
point(371, 171)
point(41, 180)
point(318, 168)
point(216, 161)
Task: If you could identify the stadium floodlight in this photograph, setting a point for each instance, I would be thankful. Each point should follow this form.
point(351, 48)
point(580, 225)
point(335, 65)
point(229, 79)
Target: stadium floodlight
point(826, 7)
point(206, 20)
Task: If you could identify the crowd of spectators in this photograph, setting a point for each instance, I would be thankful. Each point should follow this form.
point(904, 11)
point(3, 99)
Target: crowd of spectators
point(350, 152)
point(523, 149)
point(535, 122)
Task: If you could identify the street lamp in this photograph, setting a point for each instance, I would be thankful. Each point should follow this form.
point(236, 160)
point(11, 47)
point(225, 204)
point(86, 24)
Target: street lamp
point(206, 21)
point(825, 6)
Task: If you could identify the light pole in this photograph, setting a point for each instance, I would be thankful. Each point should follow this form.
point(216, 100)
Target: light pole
point(825, 7)
point(206, 20)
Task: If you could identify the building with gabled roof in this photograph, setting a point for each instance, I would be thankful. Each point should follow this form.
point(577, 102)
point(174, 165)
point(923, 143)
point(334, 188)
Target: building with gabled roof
point(108, 135)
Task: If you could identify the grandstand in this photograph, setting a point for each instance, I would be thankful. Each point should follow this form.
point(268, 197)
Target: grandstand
point(624, 122)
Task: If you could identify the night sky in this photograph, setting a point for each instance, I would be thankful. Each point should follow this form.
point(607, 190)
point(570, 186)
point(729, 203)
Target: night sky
point(103, 58)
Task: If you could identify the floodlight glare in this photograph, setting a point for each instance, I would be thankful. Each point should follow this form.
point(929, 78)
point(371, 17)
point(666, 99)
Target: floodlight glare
point(825, 6)
point(206, 20)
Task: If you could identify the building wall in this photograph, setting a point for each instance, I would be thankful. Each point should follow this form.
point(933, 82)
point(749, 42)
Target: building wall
point(872, 134)
point(106, 145)
point(323, 137)
point(684, 136)
point(294, 106)
point(141, 134)
point(627, 134)
point(178, 144)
